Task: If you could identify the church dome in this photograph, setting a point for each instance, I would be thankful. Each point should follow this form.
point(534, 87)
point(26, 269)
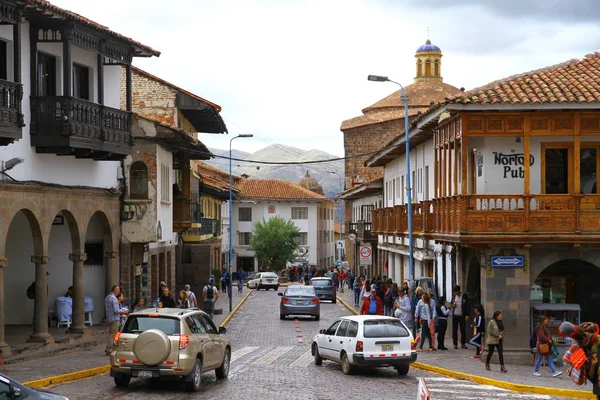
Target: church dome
point(310, 183)
point(428, 47)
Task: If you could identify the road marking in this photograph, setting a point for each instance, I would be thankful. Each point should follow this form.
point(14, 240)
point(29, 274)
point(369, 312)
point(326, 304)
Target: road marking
point(304, 360)
point(465, 390)
point(273, 355)
point(242, 352)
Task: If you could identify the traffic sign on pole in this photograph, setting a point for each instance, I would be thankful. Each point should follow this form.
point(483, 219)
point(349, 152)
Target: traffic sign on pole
point(340, 244)
point(366, 255)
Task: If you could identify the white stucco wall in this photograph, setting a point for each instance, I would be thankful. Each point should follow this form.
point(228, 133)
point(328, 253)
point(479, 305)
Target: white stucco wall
point(165, 209)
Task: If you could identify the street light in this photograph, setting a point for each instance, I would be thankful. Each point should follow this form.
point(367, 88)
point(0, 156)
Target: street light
point(340, 209)
point(404, 98)
point(231, 219)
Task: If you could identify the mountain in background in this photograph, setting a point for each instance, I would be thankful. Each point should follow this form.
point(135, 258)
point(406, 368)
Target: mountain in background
point(322, 172)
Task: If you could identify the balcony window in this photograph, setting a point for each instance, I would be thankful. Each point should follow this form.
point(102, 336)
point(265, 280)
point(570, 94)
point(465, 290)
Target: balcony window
point(138, 180)
point(46, 75)
point(301, 239)
point(4, 58)
point(244, 238)
point(81, 82)
point(245, 214)
point(302, 212)
point(589, 166)
point(556, 170)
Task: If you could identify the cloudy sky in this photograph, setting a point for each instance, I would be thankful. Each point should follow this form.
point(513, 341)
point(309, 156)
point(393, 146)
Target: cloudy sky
point(291, 71)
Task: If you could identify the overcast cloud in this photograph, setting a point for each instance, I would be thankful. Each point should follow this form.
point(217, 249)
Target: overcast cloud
point(291, 71)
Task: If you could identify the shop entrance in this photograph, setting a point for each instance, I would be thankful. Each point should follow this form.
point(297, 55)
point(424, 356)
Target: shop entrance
point(570, 281)
point(246, 263)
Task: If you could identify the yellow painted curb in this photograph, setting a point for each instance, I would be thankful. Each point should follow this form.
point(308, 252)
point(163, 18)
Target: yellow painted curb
point(236, 309)
point(70, 377)
point(516, 387)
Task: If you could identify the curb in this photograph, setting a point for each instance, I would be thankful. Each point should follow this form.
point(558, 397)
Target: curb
point(70, 377)
point(515, 387)
point(89, 373)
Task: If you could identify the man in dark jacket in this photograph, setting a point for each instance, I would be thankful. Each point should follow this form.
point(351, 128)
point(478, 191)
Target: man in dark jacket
point(460, 314)
point(388, 298)
point(168, 301)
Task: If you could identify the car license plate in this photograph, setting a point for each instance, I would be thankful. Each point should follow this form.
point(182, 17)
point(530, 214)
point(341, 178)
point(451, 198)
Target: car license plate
point(269, 280)
point(387, 347)
point(299, 301)
point(144, 374)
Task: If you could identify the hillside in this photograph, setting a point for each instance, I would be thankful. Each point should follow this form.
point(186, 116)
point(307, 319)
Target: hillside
point(292, 173)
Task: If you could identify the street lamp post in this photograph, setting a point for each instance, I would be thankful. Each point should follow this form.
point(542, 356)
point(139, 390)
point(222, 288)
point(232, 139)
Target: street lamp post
point(404, 98)
point(340, 209)
point(230, 288)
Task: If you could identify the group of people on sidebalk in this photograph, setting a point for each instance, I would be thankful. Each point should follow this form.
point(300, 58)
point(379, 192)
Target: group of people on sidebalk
point(426, 317)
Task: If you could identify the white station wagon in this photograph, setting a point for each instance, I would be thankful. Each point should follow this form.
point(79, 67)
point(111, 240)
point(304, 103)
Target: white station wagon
point(366, 340)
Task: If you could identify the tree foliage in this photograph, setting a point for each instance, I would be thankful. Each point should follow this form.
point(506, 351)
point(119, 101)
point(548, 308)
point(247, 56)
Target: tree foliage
point(273, 242)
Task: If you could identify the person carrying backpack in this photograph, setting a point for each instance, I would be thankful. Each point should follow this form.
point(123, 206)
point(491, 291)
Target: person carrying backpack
point(210, 294)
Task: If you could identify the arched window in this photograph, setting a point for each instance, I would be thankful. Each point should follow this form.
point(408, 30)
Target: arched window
point(436, 68)
point(428, 68)
point(419, 68)
point(138, 180)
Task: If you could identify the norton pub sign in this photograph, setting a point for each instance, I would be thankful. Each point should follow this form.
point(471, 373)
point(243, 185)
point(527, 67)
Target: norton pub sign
point(512, 164)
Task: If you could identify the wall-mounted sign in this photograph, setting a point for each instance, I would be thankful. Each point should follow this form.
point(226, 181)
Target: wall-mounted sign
point(512, 164)
point(508, 261)
point(271, 209)
point(366, 255)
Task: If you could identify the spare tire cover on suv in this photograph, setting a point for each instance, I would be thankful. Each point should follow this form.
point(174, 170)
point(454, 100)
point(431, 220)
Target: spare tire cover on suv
point(152, 347)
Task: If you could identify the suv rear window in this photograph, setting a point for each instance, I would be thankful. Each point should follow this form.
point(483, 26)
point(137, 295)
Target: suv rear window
point(383, 328)
point(141, 323)
point(322, 282)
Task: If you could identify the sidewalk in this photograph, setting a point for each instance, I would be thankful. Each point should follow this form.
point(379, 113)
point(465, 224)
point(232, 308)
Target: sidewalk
point(460, 361)
point(88, 358)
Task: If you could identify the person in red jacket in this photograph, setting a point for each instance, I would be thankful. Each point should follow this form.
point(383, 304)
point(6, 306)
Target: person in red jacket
point(372, 305)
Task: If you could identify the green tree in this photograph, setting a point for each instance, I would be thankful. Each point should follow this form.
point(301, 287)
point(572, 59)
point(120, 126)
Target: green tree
point(273, 242)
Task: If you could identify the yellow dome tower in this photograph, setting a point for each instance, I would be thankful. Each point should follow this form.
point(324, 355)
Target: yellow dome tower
point(429, 63)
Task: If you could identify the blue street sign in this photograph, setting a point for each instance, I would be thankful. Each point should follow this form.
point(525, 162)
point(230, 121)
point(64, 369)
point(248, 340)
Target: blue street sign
point(508, 261)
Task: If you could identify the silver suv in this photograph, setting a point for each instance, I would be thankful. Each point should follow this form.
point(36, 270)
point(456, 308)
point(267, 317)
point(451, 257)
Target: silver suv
point(169, 342)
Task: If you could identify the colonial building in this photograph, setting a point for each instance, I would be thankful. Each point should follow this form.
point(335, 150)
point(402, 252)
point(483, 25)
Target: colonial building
point(60, 119)
point(507, 201)
point(379, 124)
point(312, 213)
point(153, 176)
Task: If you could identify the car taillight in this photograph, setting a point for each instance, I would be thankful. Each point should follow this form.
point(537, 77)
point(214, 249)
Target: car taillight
point(285, 300)
point(359, 346)
point(314, 301)
point(184, 340)
point(413, 345)
point(116, 338)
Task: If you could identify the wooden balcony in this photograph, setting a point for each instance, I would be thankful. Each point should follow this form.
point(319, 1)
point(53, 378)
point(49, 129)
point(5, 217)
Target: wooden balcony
point(498, 218)
point(11, 117)
point(66, 125)
point(182, 213)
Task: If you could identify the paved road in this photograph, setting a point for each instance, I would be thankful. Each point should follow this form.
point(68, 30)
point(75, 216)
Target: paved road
point(271, 360)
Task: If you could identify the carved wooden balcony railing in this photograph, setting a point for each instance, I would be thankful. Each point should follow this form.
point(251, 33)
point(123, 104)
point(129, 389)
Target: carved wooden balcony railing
point(495, 215)
point(11, 116)
point(69, 126)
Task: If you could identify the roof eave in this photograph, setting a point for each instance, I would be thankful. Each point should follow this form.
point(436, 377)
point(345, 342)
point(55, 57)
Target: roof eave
point(522, 107)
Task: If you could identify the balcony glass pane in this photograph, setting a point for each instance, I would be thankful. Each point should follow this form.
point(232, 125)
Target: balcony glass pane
point(557, 171)
point(588, 168)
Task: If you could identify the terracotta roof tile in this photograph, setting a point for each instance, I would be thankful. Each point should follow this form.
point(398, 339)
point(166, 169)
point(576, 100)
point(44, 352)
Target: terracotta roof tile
point(574, 81)
point(275, 189)
point(61, 12)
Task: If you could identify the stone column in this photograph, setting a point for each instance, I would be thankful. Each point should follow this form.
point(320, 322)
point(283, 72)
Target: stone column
point(112, 270)
point(40, 313)
point(4, 348)
point(78, 319)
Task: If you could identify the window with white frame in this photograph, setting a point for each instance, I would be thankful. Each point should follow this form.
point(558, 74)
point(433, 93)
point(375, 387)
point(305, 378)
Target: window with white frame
point(165, 183)
point(244, 238)
point(301, 239)
point(245, 214)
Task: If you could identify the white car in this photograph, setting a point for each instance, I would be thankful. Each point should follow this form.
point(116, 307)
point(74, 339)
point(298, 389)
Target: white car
point(366, 340)
point(264, 280)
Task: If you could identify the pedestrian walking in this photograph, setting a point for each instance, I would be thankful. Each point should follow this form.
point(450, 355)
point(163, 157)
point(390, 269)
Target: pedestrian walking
point(123, 310)
point(242, 277)
point(402, 309)
point(365, 290)
point(584, 355)
point(372, 305)
point(167, 298)
point(414, 300)
point(183, 301)
point(544, 348)
point(357, 287)
point(426, 314)
point(224, 281)
point(460, 310)
point(494, 335)
point(210, 295)
point(343, 278)
point(388, 298)
point(139, 304)
point(113, 316)
point(442, 313)
point(478, 326)
point(192, 296)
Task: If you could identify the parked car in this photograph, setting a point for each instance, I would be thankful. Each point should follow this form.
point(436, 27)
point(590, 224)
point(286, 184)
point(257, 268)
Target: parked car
point(11, 389)
point(249, 278)
point(325, 288)
point(264, 280)
point(299, 300)
point(366, 340)
point(160, 342)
